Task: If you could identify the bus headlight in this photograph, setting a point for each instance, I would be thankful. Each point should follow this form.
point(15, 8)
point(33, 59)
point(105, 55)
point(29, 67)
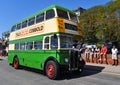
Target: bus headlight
point(66, 60)
point(80, 59)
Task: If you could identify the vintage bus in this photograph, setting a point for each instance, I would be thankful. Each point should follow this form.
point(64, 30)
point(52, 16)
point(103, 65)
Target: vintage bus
point(44, 41)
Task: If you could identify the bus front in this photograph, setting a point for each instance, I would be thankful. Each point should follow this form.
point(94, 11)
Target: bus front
point(69, 35)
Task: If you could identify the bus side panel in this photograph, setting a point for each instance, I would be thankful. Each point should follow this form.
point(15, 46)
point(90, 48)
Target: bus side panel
point(63, 54)
point(10, 57)
point(32, 58)
point(40, 57)
point(15, 53)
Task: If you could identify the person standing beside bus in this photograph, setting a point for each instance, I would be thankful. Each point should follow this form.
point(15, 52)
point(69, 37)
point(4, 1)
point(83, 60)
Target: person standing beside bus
point(104, 54)
point(97, 54)
point(114, 51)
point(92, 53)
point(87, 54)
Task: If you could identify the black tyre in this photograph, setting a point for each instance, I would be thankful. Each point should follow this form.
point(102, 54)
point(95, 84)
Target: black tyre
point(16, 63)
point(52, 70)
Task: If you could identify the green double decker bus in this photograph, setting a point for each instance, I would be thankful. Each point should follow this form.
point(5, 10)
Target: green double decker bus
point(44, 41)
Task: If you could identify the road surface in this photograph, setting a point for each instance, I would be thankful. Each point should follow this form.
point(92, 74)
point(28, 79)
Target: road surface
point(26, 76)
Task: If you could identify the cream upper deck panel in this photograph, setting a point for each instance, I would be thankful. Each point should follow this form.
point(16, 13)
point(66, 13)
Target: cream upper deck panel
point(48, 26)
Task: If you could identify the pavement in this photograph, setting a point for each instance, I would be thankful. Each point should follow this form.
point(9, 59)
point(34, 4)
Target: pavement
point(103, 68)
point(93, 67)
point(3, 58)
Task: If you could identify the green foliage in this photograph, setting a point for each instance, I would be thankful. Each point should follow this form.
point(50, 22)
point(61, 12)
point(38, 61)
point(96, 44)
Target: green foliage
point(101, 23)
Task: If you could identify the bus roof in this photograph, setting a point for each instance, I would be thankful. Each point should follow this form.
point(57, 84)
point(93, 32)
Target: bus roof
point(46, 9)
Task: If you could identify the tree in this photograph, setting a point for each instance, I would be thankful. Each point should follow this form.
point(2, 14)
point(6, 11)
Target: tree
point(101, 23)
point(91, 22)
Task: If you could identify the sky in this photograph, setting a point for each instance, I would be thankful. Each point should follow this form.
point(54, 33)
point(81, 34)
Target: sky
point(13, 11)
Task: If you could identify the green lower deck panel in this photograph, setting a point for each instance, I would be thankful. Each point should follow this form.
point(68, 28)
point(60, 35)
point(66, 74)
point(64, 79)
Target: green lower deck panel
point(37, 58)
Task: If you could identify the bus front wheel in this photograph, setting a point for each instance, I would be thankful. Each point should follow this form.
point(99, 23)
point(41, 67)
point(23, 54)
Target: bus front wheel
point(16, 63)
point(52, 69)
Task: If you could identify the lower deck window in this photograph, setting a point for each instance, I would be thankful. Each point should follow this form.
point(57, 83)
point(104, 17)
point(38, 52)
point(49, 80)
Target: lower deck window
point(16, 46)
point(54, 42)
point(22, 46)
point(66, 42)
point(29, 45)
point(38, 45)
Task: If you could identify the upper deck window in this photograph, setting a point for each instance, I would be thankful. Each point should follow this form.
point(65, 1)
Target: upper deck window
point(71, 27)
point(62, 14)
point(50, 14)
point(24, 24)
point(40, 18)
point(31, 21)
point(73, 17)
point(14, 28)
point(18, 26)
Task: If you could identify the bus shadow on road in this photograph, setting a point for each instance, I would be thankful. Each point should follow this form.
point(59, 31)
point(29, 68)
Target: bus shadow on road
point(89, 70)
point(32, 70)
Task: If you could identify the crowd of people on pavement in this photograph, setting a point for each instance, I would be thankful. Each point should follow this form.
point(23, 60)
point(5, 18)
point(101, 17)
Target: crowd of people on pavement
point(100, 54)
point(3, 47)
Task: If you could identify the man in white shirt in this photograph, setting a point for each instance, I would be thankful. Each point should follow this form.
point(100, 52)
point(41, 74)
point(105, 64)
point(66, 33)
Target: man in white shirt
point(114, 55)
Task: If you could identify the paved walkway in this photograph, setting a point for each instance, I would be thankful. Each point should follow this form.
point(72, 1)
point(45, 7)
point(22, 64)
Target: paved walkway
point(3, 58)
point(103, 68)
point(95, 67)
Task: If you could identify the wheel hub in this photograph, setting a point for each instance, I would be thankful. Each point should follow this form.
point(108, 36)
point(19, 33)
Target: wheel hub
point(50, 70)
